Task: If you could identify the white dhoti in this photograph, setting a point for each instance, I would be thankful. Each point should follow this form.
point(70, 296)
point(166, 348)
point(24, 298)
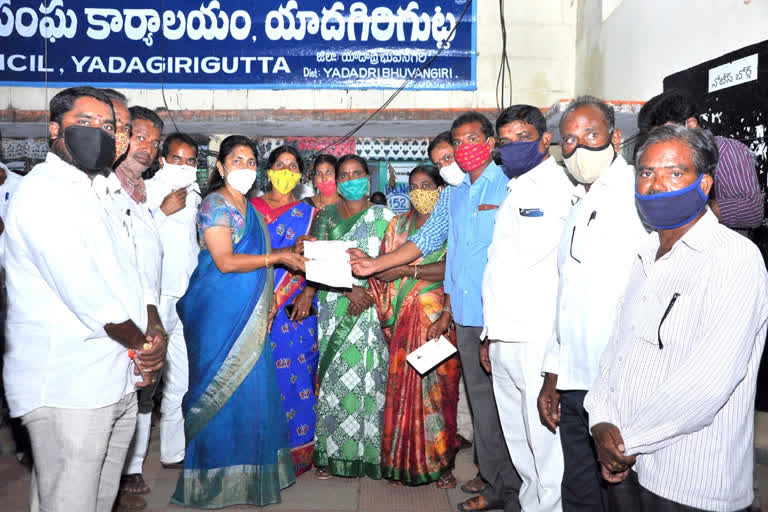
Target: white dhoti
point(176, 382)
point(535, 451)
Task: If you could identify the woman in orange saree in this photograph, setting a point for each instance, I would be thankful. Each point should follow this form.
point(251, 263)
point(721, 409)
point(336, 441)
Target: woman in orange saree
point(419, 427)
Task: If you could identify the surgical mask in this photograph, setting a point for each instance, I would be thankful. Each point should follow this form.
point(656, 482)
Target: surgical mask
point(241, 179)
point(669, 210)
point(586, 163)
point(121, 143)
point(92, 149)
point(353, 190)
point(424, 200)
point(452, 174)
point(284, 180)
point(471, 157)
point(327, 188)
point(180, 176)
point(520, 157)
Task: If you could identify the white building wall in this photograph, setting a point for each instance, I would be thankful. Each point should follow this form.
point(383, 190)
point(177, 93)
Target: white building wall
point(625, 48)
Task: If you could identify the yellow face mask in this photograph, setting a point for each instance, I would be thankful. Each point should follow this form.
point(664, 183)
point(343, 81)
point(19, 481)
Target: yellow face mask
point(284, 180)
point(424, 200)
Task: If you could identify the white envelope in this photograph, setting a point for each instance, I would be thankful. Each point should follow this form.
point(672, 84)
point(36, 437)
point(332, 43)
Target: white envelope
point(431, 354)
point(329, 263)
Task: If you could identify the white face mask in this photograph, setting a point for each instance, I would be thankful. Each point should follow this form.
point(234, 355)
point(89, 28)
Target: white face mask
point(241, 179)
point(180, 176)
point(586, 164)
point(452, 174)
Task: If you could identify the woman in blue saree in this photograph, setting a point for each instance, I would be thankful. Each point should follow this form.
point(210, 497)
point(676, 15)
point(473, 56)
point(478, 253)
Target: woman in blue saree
point(294, 328)
point(237, 437)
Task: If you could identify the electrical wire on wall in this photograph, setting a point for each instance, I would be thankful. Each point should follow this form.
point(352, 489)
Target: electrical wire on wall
point(162, 76)
point(505, 71)
point(407, 81)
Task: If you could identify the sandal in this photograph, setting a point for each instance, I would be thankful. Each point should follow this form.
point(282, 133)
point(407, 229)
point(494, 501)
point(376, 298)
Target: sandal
point(446, 481)
point(395, 483)
point(477, 503)
point(474, 486)
point(322, 473)
point(134, 484)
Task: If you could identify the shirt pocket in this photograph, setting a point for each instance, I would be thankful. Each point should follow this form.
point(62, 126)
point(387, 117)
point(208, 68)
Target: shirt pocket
point(485, 220)
point(669, 319)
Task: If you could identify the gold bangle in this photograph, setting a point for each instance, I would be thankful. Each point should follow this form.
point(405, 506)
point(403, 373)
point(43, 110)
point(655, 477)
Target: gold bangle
point(266, 260)
point(415, 271)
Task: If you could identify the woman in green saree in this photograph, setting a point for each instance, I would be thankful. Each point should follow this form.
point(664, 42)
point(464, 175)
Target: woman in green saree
point(352, 372)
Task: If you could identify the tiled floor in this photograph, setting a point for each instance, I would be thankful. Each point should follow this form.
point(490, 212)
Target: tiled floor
point(307, 495)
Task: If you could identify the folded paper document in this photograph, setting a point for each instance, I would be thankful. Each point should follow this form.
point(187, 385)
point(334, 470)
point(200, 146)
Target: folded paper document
point(329, 263)
point(431, 354)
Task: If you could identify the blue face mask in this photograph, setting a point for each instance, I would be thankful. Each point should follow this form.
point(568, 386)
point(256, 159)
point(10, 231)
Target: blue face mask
point(520, 157)
point(669, 210)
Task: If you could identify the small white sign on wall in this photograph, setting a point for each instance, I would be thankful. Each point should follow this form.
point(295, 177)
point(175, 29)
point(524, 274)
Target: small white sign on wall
point(734, 73)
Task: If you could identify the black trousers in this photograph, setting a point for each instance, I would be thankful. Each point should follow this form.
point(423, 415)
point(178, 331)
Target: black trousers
point(583, 487)
point(630, 496)
point(492, 455)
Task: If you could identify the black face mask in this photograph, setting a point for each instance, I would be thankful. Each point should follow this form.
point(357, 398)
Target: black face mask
point(92, 149)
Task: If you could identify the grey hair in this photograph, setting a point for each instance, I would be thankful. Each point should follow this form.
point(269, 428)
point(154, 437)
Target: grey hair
point(586, 100)
point(701, 143)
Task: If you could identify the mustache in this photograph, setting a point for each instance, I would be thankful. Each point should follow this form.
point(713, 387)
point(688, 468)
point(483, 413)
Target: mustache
point(142, 156)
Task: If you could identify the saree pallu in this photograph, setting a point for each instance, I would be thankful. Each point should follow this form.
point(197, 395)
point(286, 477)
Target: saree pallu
point(352, 372)
point(419, 428)
point(294, 344)
point(237, 439)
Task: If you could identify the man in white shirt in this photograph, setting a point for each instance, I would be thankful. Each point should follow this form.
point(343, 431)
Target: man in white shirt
point(672, 411)
point(520, 296)
point(8, 182)
point(146, 129)
point(596, 252)
point(173, 193)
point(77, 312)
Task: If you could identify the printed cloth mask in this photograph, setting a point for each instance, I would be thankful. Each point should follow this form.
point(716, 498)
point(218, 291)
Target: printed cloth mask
point(241, 179)
point(179, 176)
point(424, 200)
point(284, 180)
point(586, 164)
point(327, 188)
point(452, 174)
point(520, 157)
point(471, 157)
point(669, 210)
point(121, 143)
point(91, 148)
point(353, 190)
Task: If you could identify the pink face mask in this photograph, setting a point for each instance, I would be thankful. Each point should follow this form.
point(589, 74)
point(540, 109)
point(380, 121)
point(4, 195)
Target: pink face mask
point(326, 188)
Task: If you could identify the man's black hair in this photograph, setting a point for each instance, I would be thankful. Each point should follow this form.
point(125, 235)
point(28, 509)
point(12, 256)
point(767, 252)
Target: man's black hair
point(177, 137)
point(64, 101)
point(473, 117)
point(439, 139)
point(672, 106)
point(525, 113)
point(138, 112)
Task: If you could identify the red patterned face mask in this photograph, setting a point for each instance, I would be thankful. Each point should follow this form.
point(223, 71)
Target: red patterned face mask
point(471, 156)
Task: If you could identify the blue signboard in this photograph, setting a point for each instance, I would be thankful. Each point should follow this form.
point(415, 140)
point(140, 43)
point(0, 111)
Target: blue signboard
point(268, 44)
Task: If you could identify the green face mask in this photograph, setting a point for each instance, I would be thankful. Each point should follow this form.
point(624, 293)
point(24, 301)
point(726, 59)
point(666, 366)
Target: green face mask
point(353, 190)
